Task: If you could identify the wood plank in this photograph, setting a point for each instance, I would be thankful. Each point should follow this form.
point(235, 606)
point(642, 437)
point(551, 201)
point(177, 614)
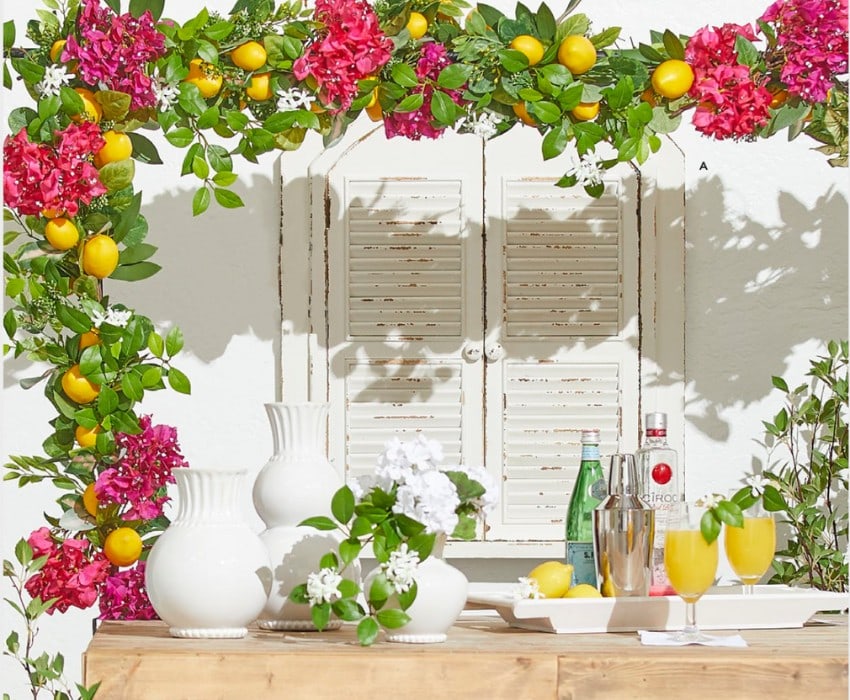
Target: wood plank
point(483, 658)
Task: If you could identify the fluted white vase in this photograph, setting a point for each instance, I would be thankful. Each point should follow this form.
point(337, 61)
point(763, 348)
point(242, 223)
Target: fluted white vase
point(208, 575)
point(296, 483)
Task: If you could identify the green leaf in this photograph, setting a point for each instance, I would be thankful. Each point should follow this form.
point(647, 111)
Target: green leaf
point(139, 7)
point(200, 167)
point(367, 631)
point(219, 159)
point(135, 271)
point(143, 149)
point(319, 522)
point(380, 590)
point(156, 344)
point(132, 387)
point(107, 400)
point(116, 176)
point(201, 201)
point(227, 198)
point(709, 526)
point(174, 341)
point(545, 111)
point(748, 54)
point(729, 513)
point(299, 594)
point(137, 253)
point(10, 324)
point(225, 179)
point(773, 500)
point(209, 118)
point(606, 37)
point(349, 550)
point(179, 381)
point(513, 61)
point(392, 618)
point(14, 286)
point(410, 103)
point(342, 504)
point(546, 24)
point(454, 76)
point(780, 384)
point(115, 104)
point(403, 75)
point(8, 34)
point(361, 526)
point(673, 45)
point(31, 72)
point(129, 218)
point(329, 561)
point(321, 615)
point(180, 137)
point(348, 610)
point(443, 108)
point(555, 142)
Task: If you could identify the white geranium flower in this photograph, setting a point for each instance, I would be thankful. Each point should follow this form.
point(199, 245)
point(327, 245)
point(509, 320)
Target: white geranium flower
point(756, 482)
point(430, 498)
point(323, 587)
point(55, 76)
point(295, 98)
point(588, 170)
point(527, 588)
point(401, 568)
point(488, 501)
point(166, 93)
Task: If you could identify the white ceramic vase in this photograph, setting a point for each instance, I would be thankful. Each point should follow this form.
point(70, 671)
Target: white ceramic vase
point(440, 597)
point(296, 483)
point(208, 575)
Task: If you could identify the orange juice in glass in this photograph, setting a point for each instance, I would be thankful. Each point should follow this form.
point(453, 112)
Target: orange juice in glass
point(750, 548)
point(691, 564)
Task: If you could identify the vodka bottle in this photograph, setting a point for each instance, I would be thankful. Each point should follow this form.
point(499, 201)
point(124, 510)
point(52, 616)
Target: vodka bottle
point(661, 489)
point(590, 489)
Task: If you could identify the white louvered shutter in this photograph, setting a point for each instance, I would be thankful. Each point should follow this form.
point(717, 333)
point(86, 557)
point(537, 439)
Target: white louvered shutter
point(404, 298)
point(562, 330)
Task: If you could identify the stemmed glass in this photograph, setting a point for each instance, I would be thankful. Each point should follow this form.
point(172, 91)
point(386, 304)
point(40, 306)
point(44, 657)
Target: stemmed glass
point(691, 564)
point(750, 548)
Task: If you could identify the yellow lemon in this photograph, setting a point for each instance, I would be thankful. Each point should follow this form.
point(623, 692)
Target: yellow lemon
point(249, 56)
point(89, 338)
point(87, 437)
point(417, 25)
point(77, 387)
point(56, 50)
point(672, 79)
point(100, 256)
point(123, 546)
point(92, 111)
point(586, 111)
point(117, 147)
point(259, 88)
point(529, 46)
point(522, 112)
point(61, 233)
point(90, 500)
point(553, 578)
point(577, 53)
point(583, 590)
point(205, 76)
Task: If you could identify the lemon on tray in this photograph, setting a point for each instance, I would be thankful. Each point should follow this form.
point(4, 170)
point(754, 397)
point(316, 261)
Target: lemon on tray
point(553, 578)
point(583, 590)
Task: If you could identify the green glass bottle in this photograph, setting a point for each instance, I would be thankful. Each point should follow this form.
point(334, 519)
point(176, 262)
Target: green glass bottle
point(589, 491)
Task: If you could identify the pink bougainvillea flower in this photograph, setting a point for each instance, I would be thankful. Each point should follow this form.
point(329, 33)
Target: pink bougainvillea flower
point(138, 479)
point(812, 36)
point(124, 596)
point(418, 124)
point(73, 573)
point(114, 51)
point(350, 48)
point(38, 176)
point(731, 102)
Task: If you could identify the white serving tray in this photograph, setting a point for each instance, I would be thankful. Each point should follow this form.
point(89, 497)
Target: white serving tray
point(723, 607)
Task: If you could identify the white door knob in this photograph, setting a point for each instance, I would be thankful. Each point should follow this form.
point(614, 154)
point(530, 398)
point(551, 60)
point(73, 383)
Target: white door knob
point(472, 352)
point(494, 352)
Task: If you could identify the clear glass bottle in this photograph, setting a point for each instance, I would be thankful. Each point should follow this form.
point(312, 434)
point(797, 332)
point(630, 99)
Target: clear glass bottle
point(658, 467)
point(589, 491)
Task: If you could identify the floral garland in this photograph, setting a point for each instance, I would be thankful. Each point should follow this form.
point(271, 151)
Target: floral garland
point(259, 79)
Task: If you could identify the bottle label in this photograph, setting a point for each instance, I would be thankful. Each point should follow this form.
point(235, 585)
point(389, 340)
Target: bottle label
point(599, 490)
point(580, 556)
point(656, 432)
point(590, 453)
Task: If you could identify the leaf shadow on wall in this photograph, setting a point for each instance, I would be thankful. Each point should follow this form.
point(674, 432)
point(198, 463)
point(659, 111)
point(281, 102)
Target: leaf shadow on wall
point(219, 276)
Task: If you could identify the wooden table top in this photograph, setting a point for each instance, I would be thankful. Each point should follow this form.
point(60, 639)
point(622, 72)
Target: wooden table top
point(483, 658)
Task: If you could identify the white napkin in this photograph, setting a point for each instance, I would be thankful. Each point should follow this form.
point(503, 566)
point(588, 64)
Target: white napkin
point(668, 639)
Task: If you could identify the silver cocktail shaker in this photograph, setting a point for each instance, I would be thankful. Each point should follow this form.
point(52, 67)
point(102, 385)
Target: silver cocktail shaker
point(623, 532)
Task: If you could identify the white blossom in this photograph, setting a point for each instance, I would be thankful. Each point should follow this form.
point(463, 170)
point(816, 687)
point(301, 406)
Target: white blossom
point(295, 98)
point(588, 170)
point(323, 587)
point(166, 93)
point(756, 482)
point(401, 568)
point(527, 588)
point(430, 498)
point(114, 317)
point(709, 501)
point(483, 125)
point(55, 76)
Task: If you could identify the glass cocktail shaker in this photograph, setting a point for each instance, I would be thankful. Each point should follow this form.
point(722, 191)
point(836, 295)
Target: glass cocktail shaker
point(623, 533)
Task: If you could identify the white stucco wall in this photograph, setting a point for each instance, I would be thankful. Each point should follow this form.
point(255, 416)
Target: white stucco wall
point(766, 281)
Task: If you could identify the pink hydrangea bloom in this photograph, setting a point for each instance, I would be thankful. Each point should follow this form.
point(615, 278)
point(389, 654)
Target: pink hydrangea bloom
point(39, 176)
point(124, 596)
point(138, 479)
point(731, 103)
point(350, 47)
point(72, 573)
point(115, 50)
point(417, 124)
point(812, 35)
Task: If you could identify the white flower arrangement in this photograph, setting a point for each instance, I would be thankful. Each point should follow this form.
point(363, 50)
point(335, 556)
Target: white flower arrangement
point(400, 509)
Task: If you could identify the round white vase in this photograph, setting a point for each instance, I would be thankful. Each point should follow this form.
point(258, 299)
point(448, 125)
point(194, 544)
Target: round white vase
point(440, 597)
point(208, 575)
point(296, 483)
